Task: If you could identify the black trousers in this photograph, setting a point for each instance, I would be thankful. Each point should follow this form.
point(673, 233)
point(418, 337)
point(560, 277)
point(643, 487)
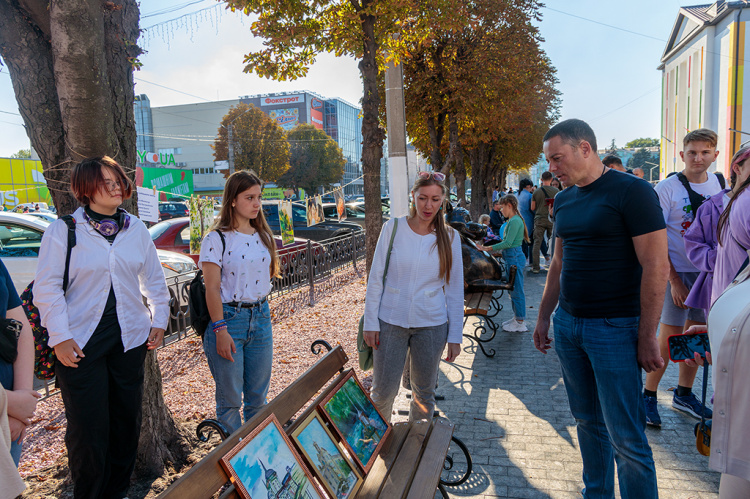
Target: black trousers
point(102, 398)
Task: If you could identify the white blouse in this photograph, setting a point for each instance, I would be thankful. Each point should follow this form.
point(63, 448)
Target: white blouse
point(130, 265)
point(414, 296)
point(245, 265)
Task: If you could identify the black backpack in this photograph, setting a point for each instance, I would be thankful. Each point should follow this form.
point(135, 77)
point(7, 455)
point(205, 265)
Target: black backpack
point(199, 316)
point(696, 200)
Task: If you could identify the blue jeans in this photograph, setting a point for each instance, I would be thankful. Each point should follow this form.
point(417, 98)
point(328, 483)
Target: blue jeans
point(6, 379)
point(515, 256)
point(603, 381)
point(250, 373)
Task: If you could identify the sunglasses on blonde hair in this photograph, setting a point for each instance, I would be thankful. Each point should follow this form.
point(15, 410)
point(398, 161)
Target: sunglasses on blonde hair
point(436, 175)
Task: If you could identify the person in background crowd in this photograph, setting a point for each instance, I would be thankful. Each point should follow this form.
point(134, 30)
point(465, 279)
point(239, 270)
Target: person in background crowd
point(515, 233)
point(420, 307)
point(17, 377)
point(556, 183)
point(496, 194)
point(496, 218)
point(541, 202)
point(614, 162)
point(525, 188)
point(638, 172)
point(700, 238)
point(100, 327)
point(492, 237)
point(604, 334)
point(699, 152)
point(237, 271)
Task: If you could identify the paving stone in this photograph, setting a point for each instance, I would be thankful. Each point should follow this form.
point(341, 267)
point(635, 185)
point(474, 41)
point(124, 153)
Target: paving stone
point(519, 396)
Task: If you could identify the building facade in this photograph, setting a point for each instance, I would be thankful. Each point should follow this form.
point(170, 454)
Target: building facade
point(703, 81)
point(181, 136)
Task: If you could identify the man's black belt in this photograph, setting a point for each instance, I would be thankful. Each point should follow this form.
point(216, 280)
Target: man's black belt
point(248, 305)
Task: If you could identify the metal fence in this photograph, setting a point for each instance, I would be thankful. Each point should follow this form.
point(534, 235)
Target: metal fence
point(307, 274)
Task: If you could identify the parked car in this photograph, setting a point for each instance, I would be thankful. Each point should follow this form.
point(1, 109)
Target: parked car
point(355, 213)
point(318, 232)
point(21, 237)
point(174, 235)
point(173, 210)
point(44, 215)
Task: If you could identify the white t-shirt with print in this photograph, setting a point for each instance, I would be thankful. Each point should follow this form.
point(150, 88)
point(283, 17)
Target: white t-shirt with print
point(245, 265)
point(678, 214)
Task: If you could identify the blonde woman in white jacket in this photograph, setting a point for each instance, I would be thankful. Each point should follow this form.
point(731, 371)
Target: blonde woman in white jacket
point(420, 308)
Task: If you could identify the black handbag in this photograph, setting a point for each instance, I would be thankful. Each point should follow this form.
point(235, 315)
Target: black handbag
point(10, 330)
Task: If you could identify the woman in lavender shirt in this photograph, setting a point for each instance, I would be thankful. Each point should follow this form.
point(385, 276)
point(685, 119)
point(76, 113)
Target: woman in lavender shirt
point(700, 239)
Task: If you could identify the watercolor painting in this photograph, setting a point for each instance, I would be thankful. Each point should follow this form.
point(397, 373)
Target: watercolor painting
point(356, 419)
point(328, 463)
point(285, 222)
point(264, 464)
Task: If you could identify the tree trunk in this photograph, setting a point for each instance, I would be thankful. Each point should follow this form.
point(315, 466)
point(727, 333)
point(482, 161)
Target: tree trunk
point(72, 71)
point(163, 440)
point(460, 175)
point(372, 135)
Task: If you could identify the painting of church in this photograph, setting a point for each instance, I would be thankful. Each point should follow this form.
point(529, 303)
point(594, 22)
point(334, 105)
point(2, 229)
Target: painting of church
point(265, 465)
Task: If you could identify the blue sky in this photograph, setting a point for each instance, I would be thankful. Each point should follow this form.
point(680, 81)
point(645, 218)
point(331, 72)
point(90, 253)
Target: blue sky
point(607, 74)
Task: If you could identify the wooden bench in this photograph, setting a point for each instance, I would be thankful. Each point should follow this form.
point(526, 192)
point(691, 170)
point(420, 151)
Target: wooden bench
point(479, 304)
point(409, 464)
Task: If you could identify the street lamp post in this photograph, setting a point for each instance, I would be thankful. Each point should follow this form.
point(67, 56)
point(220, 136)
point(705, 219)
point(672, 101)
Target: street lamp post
point(650, 170)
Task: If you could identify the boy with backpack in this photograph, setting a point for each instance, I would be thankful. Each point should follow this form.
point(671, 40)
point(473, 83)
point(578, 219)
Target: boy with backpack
point(541, 202)
point(680, 196)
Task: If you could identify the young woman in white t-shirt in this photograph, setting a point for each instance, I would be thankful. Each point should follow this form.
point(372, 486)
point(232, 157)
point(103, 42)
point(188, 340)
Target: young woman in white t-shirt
point(420, 307)
point(238, 342)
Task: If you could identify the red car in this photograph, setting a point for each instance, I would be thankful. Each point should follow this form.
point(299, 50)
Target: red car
point(174, 235)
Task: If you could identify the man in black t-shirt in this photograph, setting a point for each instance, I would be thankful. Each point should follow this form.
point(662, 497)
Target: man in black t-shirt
point(609, 273)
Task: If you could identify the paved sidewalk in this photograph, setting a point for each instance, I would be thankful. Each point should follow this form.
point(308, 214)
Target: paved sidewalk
point(512, 413)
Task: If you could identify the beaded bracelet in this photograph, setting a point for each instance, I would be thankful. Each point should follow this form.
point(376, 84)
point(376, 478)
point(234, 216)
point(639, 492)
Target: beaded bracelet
point(219, 325)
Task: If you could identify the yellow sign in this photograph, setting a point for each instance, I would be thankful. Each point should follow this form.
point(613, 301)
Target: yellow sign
point(22, 181)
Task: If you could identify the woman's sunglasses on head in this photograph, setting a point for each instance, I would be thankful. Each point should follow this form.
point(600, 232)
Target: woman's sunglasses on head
point(436, 175)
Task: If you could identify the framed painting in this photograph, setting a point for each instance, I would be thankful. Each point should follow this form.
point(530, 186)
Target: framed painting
point(358, 423)
point(265, 464)
point(318, 446)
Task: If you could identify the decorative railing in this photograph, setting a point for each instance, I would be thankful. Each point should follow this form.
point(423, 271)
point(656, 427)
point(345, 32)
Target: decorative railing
point(307, 275)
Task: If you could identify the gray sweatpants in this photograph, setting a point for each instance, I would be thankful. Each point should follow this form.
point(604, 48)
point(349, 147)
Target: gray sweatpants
point(426, 345)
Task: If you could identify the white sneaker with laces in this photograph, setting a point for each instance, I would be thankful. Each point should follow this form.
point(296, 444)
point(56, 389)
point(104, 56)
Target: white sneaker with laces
point(509, 321)
point(515, 327)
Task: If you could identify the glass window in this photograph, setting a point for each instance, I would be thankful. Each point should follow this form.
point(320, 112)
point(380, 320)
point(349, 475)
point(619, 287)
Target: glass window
point(157, 230)
point(271, 212)
point(183, 238)
point(17, 241)
point(299, 213)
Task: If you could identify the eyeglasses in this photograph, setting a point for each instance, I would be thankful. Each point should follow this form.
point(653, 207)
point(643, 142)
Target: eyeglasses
point(436, 175)
point(112, 185)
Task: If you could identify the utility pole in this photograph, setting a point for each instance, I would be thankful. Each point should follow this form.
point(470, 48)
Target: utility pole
point(396, 129)
point(230, 143)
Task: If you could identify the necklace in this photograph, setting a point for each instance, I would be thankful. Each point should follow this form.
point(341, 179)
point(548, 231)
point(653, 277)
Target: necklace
point(604, 168)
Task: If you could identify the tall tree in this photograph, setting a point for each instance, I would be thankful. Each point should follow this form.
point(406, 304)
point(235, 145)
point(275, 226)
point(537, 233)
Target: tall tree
point(295, 31)
point(259, 142)
point(642, 142)
point(71, 64)
point(21, 154)
point(612, 148)
point(315, 158)
point(483, 94)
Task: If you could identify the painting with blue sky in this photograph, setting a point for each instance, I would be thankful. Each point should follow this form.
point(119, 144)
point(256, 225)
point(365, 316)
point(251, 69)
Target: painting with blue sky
point(264, 464)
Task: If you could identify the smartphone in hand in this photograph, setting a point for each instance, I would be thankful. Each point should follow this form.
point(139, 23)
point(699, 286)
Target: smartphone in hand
point(684, 346)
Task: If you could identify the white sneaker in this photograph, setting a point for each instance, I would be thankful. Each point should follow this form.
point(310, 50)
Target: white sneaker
point(515, 327)
point(509, 321)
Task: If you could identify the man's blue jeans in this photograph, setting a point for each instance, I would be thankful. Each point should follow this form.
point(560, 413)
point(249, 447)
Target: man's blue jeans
point(604, 385)
point(250, 373)
point(515, 256)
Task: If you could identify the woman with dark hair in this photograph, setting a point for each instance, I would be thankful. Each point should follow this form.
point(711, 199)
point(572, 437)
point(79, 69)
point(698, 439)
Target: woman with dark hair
point(514, 234)
point(733, 232)
point(700, 239)
point(419, 307)
point(99, 326)
point(238, 259)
